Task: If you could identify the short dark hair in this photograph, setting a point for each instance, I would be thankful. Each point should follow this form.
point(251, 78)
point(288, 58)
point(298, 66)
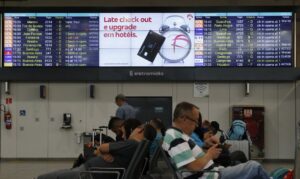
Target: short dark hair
point(200, 120)
point(113, 122)
point(130, 125)
point(121, 97)
point(215, 126)
point(149, 132)
point(159, 124)
point(182, 108)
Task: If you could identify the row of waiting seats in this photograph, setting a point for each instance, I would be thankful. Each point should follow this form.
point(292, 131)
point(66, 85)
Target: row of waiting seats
point(134, 170)
point(142, 166)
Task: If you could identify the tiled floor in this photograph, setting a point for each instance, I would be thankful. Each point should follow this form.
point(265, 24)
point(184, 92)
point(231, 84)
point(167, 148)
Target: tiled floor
point(28, 169)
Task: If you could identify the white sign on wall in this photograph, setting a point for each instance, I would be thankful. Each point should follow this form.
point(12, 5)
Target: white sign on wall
point(201, 90)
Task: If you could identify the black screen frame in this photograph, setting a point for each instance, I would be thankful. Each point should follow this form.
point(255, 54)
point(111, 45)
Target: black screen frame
point(149, 74)
point(166, 122)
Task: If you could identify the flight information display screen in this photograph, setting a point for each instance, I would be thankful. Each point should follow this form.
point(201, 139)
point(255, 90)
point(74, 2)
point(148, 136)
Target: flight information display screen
point(148, 39)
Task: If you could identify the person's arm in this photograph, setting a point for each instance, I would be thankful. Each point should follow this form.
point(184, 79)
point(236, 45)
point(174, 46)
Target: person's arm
point(112, 147)
point(103, 152)
point(119, 147)
point(200, 163)
point(102, 149)
point(211, 141)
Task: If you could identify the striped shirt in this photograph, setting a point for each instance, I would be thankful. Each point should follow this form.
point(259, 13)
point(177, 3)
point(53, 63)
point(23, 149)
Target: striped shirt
point(183, 150)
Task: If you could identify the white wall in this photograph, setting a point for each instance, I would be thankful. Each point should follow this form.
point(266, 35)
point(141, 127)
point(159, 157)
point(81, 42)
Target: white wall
point(38, 134)
point(297, 131)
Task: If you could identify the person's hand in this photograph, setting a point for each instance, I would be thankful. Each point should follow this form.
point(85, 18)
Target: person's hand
point(227, 146)
point(214, 139)
point(97, 152)
point(211, 141)
point(107, 157)
point(214, 151)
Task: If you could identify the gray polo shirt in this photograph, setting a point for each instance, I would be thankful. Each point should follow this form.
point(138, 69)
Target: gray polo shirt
point(126, 111)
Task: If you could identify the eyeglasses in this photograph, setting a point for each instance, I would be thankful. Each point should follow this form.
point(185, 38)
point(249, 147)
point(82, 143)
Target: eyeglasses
point(191, 119)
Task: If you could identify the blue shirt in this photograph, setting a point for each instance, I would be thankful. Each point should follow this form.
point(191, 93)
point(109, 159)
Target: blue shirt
point(155, 143)
point(197, 140)
point(126, 111)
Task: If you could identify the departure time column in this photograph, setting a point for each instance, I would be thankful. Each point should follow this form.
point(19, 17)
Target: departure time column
point(208, 41)
point(240, 41)
point(49, 51)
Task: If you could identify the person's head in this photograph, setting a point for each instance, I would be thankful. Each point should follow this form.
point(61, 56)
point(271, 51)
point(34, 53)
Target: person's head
point(198, 129)
point(186, 117)
point(144, 131)
point(158, 125)
point(200, 119)
point(128, 126)
point(205, 124)
point(208, 133)
point(120, 99)
point(215, 126)
point(115, 124)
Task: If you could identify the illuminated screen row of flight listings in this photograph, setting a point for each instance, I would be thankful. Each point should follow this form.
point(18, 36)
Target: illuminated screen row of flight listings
point(51, 40)
point(244, 39)
point(149, 39)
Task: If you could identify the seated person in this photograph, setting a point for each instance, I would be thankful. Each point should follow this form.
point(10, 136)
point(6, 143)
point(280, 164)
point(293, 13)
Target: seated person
point(216, 128)
point(116, 154)
point(203, 137)
point(205, 124)
point(187, 156)
point(160, 132)
point(128, 126)
point(197, 135)
point(115, 124)
point(225, 158)
point(125, 130)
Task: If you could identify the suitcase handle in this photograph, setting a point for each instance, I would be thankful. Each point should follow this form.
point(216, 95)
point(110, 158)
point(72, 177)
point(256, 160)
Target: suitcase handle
point(103, 127)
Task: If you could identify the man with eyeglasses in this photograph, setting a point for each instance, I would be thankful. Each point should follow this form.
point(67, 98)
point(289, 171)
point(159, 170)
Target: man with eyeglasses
point(191, 159)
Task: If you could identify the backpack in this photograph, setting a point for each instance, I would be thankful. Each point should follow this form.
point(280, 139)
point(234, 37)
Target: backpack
point(279, 173)
point(237, 130)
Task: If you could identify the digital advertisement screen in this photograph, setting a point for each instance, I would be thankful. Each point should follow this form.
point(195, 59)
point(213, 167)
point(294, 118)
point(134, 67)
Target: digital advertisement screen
point(148, 39)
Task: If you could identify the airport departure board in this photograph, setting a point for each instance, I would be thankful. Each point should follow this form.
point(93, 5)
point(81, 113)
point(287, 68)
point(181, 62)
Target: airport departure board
point(148, 39)
point(57, 40)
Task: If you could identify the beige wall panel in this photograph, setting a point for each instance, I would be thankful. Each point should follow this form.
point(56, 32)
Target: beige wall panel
point(102, 107)
point(32, 130)
point(9, 137)
point(185, 92)
point(286, 120)
point(297, 156)
point(66, 98)
point(270, 101)
point(219, 104)
point(238, 97)
point(147, 89)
